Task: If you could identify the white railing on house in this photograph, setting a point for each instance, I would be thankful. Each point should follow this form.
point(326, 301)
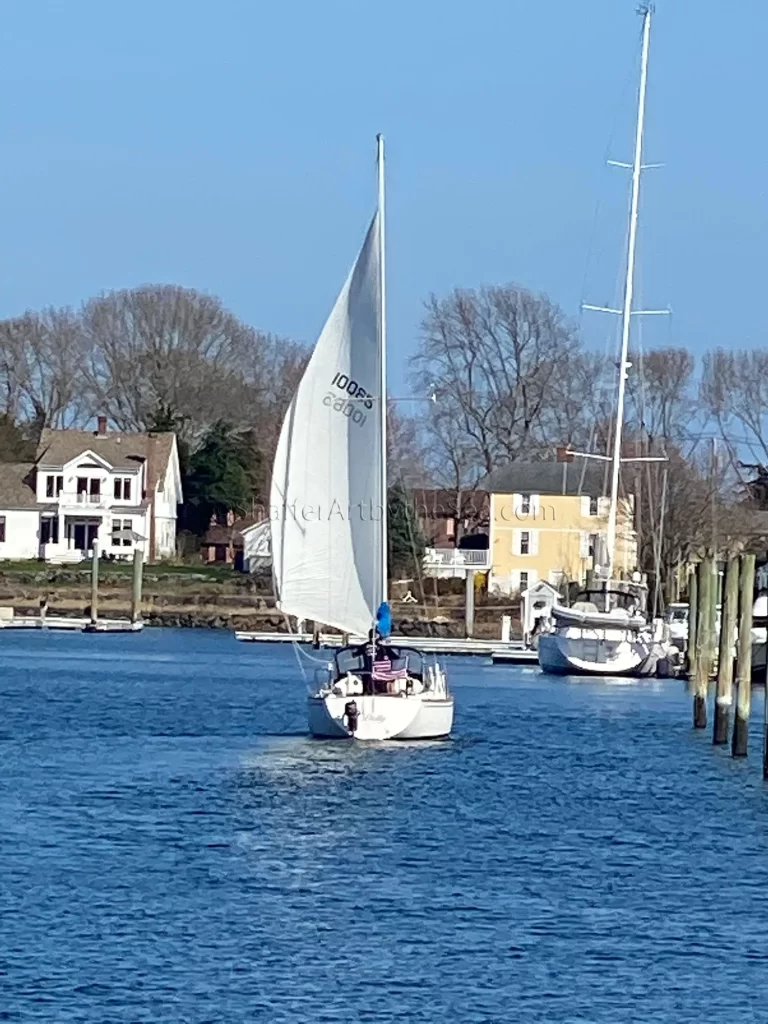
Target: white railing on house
point(81, 500)
point(456, 561)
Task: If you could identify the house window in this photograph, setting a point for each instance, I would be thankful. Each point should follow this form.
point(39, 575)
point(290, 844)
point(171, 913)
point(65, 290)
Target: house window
point(95, 491)
point(523, 581)
point(54, 485)
point(2, 529)
point(593, 506)
point(525, 504)
point(123, 488)
point(49, 530)
point(593, 544)
point(82, 488)
point(525, 542)
point(121, 533)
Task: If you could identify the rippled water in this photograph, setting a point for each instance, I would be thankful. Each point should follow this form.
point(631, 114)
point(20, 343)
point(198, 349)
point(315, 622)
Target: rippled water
point(175, 849)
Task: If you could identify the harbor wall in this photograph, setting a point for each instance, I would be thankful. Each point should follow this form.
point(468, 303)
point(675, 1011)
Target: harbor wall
point(218, 599)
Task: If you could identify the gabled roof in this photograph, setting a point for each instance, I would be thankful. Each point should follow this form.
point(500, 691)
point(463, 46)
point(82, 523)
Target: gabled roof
point(233, 533)
point(547, 478)
point(122, 451)
point(17, 485)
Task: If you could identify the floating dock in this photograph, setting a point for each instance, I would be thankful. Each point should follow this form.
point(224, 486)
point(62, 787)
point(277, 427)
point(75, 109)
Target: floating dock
point(81, 625)
point(511, 652)
point(514, 654)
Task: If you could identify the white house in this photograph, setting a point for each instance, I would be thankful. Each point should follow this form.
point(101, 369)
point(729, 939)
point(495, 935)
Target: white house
point(121, 490)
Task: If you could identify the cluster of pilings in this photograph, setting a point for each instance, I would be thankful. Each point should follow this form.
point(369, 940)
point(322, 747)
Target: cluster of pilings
point(729, 654)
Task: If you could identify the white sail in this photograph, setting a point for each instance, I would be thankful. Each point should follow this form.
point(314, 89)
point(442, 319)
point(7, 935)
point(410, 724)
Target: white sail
point(326, 502)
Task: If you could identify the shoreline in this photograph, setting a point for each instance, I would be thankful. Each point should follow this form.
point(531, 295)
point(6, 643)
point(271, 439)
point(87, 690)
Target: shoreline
point(212, 598)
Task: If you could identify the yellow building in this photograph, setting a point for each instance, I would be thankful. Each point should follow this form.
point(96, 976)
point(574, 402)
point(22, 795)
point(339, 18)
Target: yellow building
point(549, 520)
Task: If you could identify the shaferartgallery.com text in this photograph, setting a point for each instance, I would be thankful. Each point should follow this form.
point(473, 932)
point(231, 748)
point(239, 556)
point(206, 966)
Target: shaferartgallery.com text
point(371, 511)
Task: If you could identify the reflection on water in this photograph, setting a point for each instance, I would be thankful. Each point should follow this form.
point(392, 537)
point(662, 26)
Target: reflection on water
point(174, 848)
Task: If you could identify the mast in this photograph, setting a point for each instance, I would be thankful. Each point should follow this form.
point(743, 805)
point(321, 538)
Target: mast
point(626, 315)
point(382, 363)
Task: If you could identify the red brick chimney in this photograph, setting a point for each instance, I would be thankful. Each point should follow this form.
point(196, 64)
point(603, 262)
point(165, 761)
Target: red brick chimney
point(102, 428)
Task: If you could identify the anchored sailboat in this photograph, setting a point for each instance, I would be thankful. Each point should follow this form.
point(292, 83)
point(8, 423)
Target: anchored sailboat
point(329, 525)
point(615, 638)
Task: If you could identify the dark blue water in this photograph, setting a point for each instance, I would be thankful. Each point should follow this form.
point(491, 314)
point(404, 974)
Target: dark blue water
point(174, 849)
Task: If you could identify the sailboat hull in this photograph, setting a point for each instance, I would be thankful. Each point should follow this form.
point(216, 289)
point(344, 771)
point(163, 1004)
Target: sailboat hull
point(381, 717)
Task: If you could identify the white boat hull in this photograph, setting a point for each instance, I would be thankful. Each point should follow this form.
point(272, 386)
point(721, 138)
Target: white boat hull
point(381, 717)
point(578, 655)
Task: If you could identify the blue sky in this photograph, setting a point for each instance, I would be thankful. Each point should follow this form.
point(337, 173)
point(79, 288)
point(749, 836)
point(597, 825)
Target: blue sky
point(229, 147)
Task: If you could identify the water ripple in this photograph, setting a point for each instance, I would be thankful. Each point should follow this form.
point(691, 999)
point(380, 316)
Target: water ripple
point(175, 849)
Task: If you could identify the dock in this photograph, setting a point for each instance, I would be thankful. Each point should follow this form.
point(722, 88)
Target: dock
point(512, 652)
point(90, 623)
point(62, 623)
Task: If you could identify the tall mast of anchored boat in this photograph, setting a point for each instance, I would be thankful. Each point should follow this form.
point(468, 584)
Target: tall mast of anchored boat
point(382, 360)
point(637, 167)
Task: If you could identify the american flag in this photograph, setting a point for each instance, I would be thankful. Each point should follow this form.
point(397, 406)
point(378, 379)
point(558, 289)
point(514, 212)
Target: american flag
point(383, 671)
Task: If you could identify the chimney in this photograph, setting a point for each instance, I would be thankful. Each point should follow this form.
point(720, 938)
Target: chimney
point(564, 454)
point(102, 428)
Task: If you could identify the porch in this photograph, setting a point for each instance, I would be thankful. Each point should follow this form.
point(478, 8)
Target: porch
point(68, 538)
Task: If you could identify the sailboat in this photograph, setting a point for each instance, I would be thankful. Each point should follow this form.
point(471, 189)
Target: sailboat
point(329, 520)
point(606, 632)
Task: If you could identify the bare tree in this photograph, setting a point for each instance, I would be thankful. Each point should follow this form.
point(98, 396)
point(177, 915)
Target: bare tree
point(660, 398)
point(41, 361)
point(162, 346)
point(159, 346)
point(491, 358)
point(734, 392)
point(406, 455)
point(268, 370)
point(582, 403)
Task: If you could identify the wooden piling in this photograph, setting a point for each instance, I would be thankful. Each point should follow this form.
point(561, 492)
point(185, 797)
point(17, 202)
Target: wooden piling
point(744, 664)
point(712, 622)
point(702, 646)
point(469, 603)
point(95, 583)
point(728, 617)
point(138, 572)
point(693, 621)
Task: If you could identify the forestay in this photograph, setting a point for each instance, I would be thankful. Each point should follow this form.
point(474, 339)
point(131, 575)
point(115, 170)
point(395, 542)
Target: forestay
point(327, 501)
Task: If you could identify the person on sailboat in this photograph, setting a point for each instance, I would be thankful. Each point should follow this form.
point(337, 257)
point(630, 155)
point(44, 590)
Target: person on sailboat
point(376, 653)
